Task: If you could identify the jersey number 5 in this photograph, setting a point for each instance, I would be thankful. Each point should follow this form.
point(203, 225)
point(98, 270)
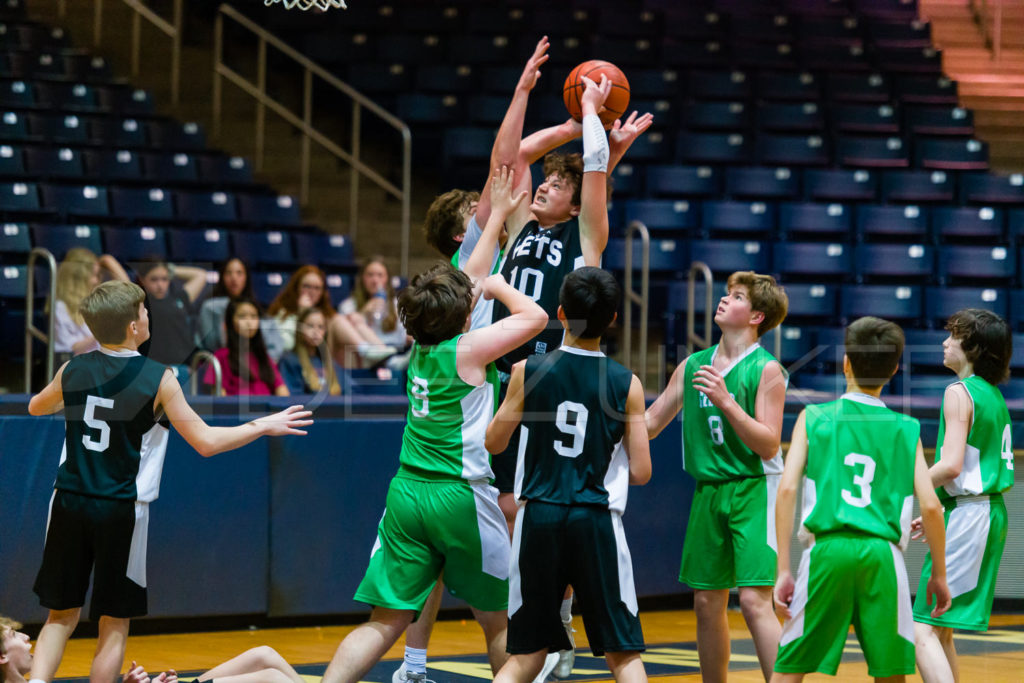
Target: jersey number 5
point(577, 429)
point(862, 481)
point(91, 403)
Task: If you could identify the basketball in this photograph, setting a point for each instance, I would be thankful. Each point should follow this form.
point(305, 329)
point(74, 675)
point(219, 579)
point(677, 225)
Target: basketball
point(618, 99)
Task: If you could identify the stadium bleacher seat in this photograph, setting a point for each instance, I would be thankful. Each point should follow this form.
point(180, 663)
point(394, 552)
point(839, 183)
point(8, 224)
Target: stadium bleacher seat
point(727, 256)
point(984, 263)
point(754, 218)
point(148, 204)
point(918, 186)
point(170, 168)
point(875, 119)
point(840, 185)
point(897, 302)
point(942, 302)
point(816, 259)
point(762, 183)
point(790, 117)
point(60, 238)
point(968, 222)
point(676, 215)
point(815, 220)
point(136, 244)
point(112, 165)
point(904, 262)
point(872, 152)
point(683, 181)
point(205, 245)
point(269, 209)
point(334, 251)
point(48, 162)
point(70, 201)
point(15, 242)
point(893, 222)
point(815, 302)
point(259, 248)
point(207, 207)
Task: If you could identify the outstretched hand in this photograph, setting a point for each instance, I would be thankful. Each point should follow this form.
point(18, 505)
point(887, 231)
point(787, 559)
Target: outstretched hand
point(623, 134)
point(502, 184)
point(594, 95)
point(285, 422)
point(531, 72)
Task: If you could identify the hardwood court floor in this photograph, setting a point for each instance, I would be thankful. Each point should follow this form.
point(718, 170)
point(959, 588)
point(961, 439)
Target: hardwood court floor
point(315, 645)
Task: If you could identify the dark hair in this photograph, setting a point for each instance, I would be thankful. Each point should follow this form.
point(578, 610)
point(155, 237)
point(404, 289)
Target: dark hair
point(110, 308)
point(220, 289)
point(436, 303)
point(146, 266)
point(446, 218)
point(568, 167)
point(986, 341)
point(590, 297)
point(287, 299)
point(766, 296)
point(257, 346)
point(874, 347)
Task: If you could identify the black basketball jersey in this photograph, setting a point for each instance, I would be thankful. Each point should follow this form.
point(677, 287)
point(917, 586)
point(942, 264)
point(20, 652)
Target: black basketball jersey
point(536, 264)
point(570, 442)
point(114, 445)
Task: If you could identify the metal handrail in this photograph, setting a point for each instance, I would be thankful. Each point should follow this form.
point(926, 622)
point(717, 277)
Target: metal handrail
point(258, 91)
point(198, 359)
point(642, 299)
point(982, 12)
point(30, 329)
point(172, 29)
point(691, 296)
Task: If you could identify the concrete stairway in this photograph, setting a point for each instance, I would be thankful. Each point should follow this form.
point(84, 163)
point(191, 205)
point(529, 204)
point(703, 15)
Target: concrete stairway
point(994, 90)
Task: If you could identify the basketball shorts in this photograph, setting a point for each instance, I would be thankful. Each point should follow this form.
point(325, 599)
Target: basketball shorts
point(433, 525)
point(555, 546)
point(730, 537)
point(84, 533)
point(975, 538)
point(847, 579)
point(504, 464)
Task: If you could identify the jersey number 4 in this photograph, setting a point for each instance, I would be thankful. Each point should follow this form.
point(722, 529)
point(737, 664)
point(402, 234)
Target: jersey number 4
point(91, 404)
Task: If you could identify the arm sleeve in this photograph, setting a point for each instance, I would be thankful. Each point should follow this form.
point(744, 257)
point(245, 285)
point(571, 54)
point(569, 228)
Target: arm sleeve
point(595, 145)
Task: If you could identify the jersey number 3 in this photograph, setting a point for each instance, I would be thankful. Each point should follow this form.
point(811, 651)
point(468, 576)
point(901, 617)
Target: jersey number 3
point(577, 429)
point(91, 403)
point(862, 481)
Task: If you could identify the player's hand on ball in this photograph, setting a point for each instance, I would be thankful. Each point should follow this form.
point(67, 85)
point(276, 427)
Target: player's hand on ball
point(784, 588)
point(917, 530)
point(623, 134)
point(710, 382)
point(502, 184)
point(288, 421)
point(532, 70)
point(595, 94)
point(938, 590)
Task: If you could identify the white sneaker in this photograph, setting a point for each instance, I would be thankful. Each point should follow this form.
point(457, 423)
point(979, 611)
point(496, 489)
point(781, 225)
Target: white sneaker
point(566, 658)
point(401, 676)
point(549, 665)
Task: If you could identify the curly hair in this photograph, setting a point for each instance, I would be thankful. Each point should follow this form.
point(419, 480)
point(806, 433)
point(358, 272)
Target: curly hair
point(435, 305)
point(986, 341)
point(446, 219)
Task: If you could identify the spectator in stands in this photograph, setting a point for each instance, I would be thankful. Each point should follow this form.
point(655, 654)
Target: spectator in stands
point(373, 307)
point(246, 368)
point(309, 368)
point(307, 287)
point(232, 283)
point(77, 275)
point(171, 293)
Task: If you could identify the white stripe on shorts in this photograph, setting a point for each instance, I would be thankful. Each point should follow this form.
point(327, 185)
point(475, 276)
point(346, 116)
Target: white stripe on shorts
point(905, 612)
point(137, 554)
point(515, 589)
point(494, 544)
point(794, 626)
point(627, 589)
point(966, 538)
point(772, 481)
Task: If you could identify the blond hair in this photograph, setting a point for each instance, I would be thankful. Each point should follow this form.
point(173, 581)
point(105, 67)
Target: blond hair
point(766, 296)
point(74, 279)
point(110, 308)
point(6, 624)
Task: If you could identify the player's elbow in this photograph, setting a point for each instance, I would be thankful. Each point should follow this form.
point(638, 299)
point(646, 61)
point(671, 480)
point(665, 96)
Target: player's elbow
point(493, 441)
point(35, 408)
point(953, 471)
point(640, 475)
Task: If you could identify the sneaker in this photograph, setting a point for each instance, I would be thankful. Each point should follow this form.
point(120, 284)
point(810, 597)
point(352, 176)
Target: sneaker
point(401, 676)
point(549, 665)
point(377, 353)
point(566, 658)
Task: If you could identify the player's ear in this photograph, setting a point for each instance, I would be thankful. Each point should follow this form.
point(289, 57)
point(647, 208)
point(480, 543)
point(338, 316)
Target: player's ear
point(574, 211)
point(756, 317)
point(846, 365)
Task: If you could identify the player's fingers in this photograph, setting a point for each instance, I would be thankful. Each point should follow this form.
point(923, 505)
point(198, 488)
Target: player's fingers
point(296, 432)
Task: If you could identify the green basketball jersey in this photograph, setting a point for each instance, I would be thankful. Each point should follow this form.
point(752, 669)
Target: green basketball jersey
point(860, 468)
point(988, 459)
point(711, 449)
point(448, 418)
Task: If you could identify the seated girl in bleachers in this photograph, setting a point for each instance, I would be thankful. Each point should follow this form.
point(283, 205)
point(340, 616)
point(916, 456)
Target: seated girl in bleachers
point(233, 282)
point(77, 275)
point(373, 307)
point(309, 368)
point(246, 368)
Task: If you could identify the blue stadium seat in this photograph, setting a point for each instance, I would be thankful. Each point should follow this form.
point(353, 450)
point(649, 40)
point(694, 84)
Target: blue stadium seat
point(727, 256)
point(913, 262)
point(76, 200)
point(918, 186)
point(757, 218)
point(762, 183)
point(60, 238)
point(812, 301)
point(922, 349)
point(136, 244)
point(654, 146)
point(887, 222)
point(12, 162)
point(954, 154)
point(335, 251)
point(445, 79)
point(897, 302)
point(207, 207)
point(942, 302)
point(985, 263)
point(1016, 297)
point(687, 54)
point(1015, 225)
point(17, 95)
point(720, 85)
point(269, 209)
point(834, 57)
point(222, 170)
point(59, 128)
point(119, 164)
point(663, 214)
point(872, 152)
point(793, 86)
point(876, 119)
point(840, 185)
point(267, 285)
point(177, 136)
point(207, 245)
point(628, 23)
point(409, 48)
point(727, 116)
point(909, 60)
point(653, 84)
point(819, 26)
point(790, 117)
point(916, 34)
point(19, 198)
point(968, 222)
point(846, 87)
point(67, 96)
point(627, 180)
point(13, 127)
point(939, 120)
point(85, 68)
point(15, 242)
point(467, 144)
point(764, 55)
point(13, 286)
point(797, 346)
point(819, 259)
point(339, 287)
point(683, 181)
point(830, 221)
point(49, 162)
point(715, 148)
point(272, 247)
point(170, 168)
point(792, 150)
point(989, 188)
point(420, 109)
point(429, 18)
point(484, 19)
point(149, 204)
point(668, 257)
point(925, 90)
point(128, 101)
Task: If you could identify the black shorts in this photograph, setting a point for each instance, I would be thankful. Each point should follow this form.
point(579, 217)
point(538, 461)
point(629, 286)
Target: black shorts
point(504, 464)
point(84, 532)
point(584, 546)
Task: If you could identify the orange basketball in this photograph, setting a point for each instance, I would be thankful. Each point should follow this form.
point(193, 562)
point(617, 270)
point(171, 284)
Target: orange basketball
point(618, 99)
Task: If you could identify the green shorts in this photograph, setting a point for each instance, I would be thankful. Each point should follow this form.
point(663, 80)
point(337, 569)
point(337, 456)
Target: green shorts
point(433, 525)
point(847, 579)
point(975, 538)
point(730, 538)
